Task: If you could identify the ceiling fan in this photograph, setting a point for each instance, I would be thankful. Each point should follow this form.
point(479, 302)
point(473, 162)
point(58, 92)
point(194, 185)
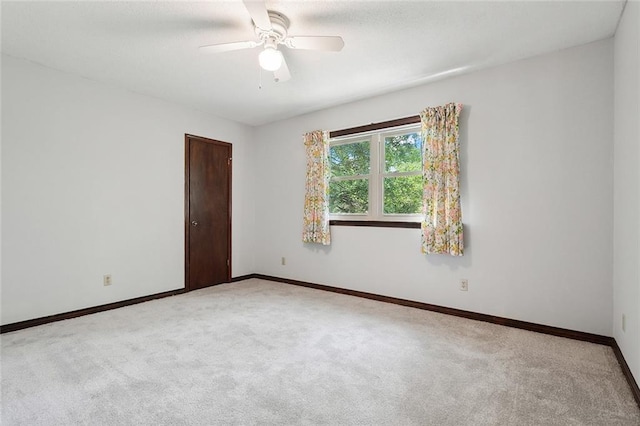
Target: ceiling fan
point(271, 31)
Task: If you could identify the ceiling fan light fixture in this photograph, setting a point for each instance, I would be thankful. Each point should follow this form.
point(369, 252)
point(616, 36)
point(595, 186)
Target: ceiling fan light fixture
point(270, 59)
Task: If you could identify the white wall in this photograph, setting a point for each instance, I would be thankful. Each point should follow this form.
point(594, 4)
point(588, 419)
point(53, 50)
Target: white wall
point(626, 241)
point(93, 183)
point(536, 141)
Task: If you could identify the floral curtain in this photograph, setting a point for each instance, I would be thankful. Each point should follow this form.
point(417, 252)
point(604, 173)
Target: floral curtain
point(442, 222)
point(316, 197)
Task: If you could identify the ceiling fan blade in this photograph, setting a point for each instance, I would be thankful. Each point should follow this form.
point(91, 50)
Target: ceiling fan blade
point(326, 43)
point(227, 47)
point(258, 12)
point(282, 74)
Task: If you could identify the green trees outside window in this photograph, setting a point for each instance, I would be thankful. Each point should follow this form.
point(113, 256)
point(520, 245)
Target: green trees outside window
point(387, 164)
point(349, 185)
point(403, 158)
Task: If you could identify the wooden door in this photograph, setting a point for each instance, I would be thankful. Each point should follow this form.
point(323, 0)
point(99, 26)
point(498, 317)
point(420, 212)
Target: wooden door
point(208, 212)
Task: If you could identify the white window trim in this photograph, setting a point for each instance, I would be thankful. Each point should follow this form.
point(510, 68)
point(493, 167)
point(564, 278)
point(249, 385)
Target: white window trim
point(376, 175)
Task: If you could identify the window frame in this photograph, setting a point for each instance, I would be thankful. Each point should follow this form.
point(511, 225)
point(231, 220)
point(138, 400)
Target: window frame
point(377, 173)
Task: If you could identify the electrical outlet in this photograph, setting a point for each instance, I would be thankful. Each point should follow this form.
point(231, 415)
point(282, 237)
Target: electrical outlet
point(284, 261)
point(624, 322)
point(464, 285)
point(106, 280)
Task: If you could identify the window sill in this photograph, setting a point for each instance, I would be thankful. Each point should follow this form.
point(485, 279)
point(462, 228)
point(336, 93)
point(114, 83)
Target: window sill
point(375, 223)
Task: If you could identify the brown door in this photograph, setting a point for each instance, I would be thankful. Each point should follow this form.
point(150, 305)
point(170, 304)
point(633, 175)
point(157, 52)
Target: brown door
point(208, 212)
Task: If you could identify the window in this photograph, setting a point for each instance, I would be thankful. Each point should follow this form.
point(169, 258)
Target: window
point(377, 176)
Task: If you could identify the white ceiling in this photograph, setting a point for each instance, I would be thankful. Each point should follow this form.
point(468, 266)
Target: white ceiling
point(152, 47)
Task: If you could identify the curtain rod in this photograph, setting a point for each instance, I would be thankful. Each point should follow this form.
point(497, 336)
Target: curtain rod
point(375, 126)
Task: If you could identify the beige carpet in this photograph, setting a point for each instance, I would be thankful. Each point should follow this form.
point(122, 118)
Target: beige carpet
point(258, 352)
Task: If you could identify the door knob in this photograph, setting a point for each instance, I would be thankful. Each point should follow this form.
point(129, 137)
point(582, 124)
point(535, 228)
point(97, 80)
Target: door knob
point(194, 223)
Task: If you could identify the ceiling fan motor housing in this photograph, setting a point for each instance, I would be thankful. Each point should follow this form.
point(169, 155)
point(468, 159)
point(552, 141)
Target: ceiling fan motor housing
point(278, 31)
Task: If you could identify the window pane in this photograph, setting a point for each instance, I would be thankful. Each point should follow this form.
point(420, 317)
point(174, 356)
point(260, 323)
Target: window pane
point(403, 153)
point(350, 159)
point(403, 194)
point(349, 196)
